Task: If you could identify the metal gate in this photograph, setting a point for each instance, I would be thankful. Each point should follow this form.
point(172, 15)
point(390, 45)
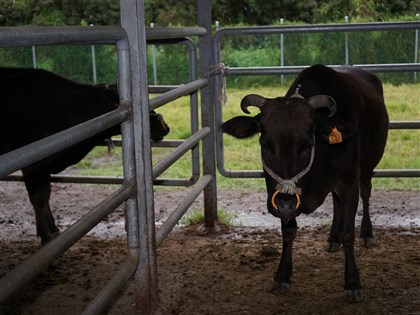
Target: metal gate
point(281, 70)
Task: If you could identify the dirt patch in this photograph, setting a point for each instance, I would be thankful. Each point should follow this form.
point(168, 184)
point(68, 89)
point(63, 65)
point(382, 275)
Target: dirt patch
point(224, 273)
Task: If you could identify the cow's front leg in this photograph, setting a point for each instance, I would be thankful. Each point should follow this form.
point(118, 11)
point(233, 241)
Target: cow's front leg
point(348, 203)
point(282, 278)
point(39, 189)
point(333, 243)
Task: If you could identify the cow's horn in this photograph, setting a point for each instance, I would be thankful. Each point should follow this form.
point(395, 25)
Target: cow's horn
point(323, 101)
point(252, 100)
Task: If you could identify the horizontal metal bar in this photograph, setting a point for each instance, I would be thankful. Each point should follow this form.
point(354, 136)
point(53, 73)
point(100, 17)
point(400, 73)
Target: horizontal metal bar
point(186, 182)
point(172, 95)
point(178, 32)
point(404, 125)
point(318, 28)
point(275, 70)
point(100, 303)
point(17, 36)
point(376, 173)
point(159, 89)
point(28, 269)
point(164, 164)
point(173, 219)
point(108, 180)
point(167, 143)
point(38, 150)
point(397, 173)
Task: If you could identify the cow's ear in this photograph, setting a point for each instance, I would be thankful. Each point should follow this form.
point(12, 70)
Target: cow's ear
point(242, 126)
point(335, 131)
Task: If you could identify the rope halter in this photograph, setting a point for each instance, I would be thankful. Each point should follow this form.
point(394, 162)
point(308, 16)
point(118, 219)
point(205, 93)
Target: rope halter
point(288, 186)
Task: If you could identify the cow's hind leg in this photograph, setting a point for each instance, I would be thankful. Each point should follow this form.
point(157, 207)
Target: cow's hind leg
point(333, 243)
point(366, 234)
point(39, 189)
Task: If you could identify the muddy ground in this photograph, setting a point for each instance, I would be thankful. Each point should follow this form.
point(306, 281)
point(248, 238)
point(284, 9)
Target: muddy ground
point(223, 273)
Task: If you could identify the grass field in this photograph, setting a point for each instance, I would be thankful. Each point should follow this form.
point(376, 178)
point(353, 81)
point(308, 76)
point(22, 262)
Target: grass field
point(402, 151)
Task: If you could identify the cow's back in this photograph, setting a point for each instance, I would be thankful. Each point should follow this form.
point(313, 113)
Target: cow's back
point(35, 103)
point(360, 102)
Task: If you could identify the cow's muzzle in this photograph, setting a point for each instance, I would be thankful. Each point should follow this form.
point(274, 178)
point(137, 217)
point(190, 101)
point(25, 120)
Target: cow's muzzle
point(285, 205)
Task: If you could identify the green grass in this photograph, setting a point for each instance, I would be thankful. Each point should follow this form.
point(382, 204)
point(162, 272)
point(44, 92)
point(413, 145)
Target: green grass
point(196, 216)
point(402, 151)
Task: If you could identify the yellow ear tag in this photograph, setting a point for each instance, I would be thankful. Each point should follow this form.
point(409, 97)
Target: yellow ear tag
point(335, 136)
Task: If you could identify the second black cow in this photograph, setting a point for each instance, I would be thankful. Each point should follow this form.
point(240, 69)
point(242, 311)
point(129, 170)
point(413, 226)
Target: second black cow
point(326, 135)
point(34, 104)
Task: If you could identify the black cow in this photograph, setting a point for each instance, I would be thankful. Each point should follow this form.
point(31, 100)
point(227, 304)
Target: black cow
point(34, 104)
point(326, 135)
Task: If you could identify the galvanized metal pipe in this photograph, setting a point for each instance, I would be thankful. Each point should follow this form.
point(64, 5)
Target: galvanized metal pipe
point(176, 215)
point(179, 32)
point(318, 28)
point(36, 151)
point(100, 303)
point(26, 271)
point(164, 164)
point(174, 94)
point(275, 70)
point(19, 36)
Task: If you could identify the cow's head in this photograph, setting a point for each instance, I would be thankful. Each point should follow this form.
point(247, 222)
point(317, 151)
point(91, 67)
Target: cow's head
point(287, 138)
point(158, 127)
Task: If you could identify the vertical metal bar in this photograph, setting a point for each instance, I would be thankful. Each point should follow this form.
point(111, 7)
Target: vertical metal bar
point(93, 64)
point(282, 51)
point(192, 61)
point(154, 59)
point(416, 48)
point(94, 78)
point(127, 131)
point(34, 57)
point(146, 290)
point(346, 44)
point(207, 112)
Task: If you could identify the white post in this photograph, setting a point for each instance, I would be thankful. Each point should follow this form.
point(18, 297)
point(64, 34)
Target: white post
point(416, 48)
point(34, 57)
point(216, 24)
point(282, 51)
point(93, 61)
point(154, 60)
point(346, 44)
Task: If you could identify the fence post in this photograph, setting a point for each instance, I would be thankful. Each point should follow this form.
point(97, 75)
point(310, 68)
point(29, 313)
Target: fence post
point(145, 278)
point(346, 44)
point(282, 50)
point(152, 25)
point(416, 48)
point(34, 57)
point(93, 61)
point(207, 111)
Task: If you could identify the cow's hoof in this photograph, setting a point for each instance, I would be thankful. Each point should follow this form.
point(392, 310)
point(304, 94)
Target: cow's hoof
point(332, 247)
point(354, 296)
point(277, 287)
point(367, 241)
